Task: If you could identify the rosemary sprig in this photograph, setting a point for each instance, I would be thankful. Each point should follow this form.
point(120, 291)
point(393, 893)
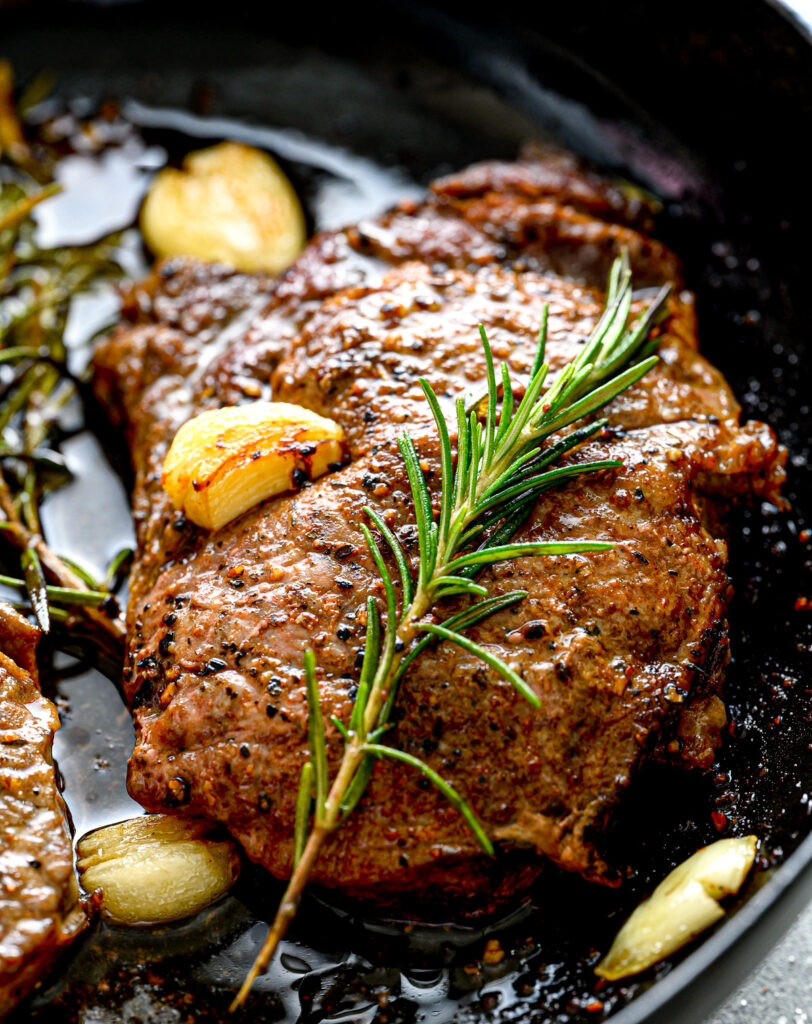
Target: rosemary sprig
point(504, 462)
point(57, 595)
point(36, 289)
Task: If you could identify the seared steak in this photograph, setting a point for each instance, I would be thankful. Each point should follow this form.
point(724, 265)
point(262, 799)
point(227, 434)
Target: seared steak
point(39, 913)
point(624, 648)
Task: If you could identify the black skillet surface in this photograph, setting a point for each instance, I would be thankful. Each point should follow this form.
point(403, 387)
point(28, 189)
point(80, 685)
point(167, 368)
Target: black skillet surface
point(710, 109)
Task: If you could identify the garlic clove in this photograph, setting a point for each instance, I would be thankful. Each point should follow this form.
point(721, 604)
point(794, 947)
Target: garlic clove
point(682, 906)
point(156, 868)
point(230, 204)
point(225, 461)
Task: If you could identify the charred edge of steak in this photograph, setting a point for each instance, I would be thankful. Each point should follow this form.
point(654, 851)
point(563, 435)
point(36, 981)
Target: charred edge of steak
point(39, 913)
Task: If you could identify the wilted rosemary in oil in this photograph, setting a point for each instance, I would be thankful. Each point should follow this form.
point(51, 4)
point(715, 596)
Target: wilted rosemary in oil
point(36, 289)
point(504, 463)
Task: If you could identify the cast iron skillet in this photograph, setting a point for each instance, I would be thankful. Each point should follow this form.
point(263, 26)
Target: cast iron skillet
point(708, 108)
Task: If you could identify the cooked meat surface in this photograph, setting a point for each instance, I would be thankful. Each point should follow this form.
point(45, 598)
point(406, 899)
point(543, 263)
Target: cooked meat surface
point(625, 648)
point(39, 913)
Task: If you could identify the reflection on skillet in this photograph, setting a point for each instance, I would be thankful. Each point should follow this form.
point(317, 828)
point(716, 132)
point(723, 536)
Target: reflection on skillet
point(553, 967)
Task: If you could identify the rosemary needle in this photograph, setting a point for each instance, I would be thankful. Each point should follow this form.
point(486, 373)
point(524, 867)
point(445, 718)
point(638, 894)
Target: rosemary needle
point(503, 465)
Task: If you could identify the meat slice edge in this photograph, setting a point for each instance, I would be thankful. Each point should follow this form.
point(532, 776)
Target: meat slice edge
point(39, 909)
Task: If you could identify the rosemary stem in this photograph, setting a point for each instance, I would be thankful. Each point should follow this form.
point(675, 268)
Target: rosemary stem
point(354, 754)
point(404, 636)
point(286, 912)
point(54, 567)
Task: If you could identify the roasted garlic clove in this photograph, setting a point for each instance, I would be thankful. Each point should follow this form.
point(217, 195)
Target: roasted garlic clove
point(684, 904)
point(156, 868)
point(230, 204)
point(225, 461)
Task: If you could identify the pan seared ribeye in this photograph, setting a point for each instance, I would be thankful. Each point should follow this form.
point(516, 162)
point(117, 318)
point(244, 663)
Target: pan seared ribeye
point(624, 648)
point(39, 913)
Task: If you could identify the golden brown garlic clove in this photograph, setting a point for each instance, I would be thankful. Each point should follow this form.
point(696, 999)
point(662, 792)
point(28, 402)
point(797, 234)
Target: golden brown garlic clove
point(230, 204)
point(225, 461)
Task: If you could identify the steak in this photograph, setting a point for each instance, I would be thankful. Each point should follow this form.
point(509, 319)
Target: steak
point(625, 648)
point(39, 913)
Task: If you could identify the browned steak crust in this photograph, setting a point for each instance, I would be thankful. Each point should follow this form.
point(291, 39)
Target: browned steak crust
point(39, 914)
point(611, 642)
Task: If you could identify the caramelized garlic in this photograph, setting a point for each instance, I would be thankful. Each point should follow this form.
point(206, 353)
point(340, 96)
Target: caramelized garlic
point(230, 204)
point(225, 461)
